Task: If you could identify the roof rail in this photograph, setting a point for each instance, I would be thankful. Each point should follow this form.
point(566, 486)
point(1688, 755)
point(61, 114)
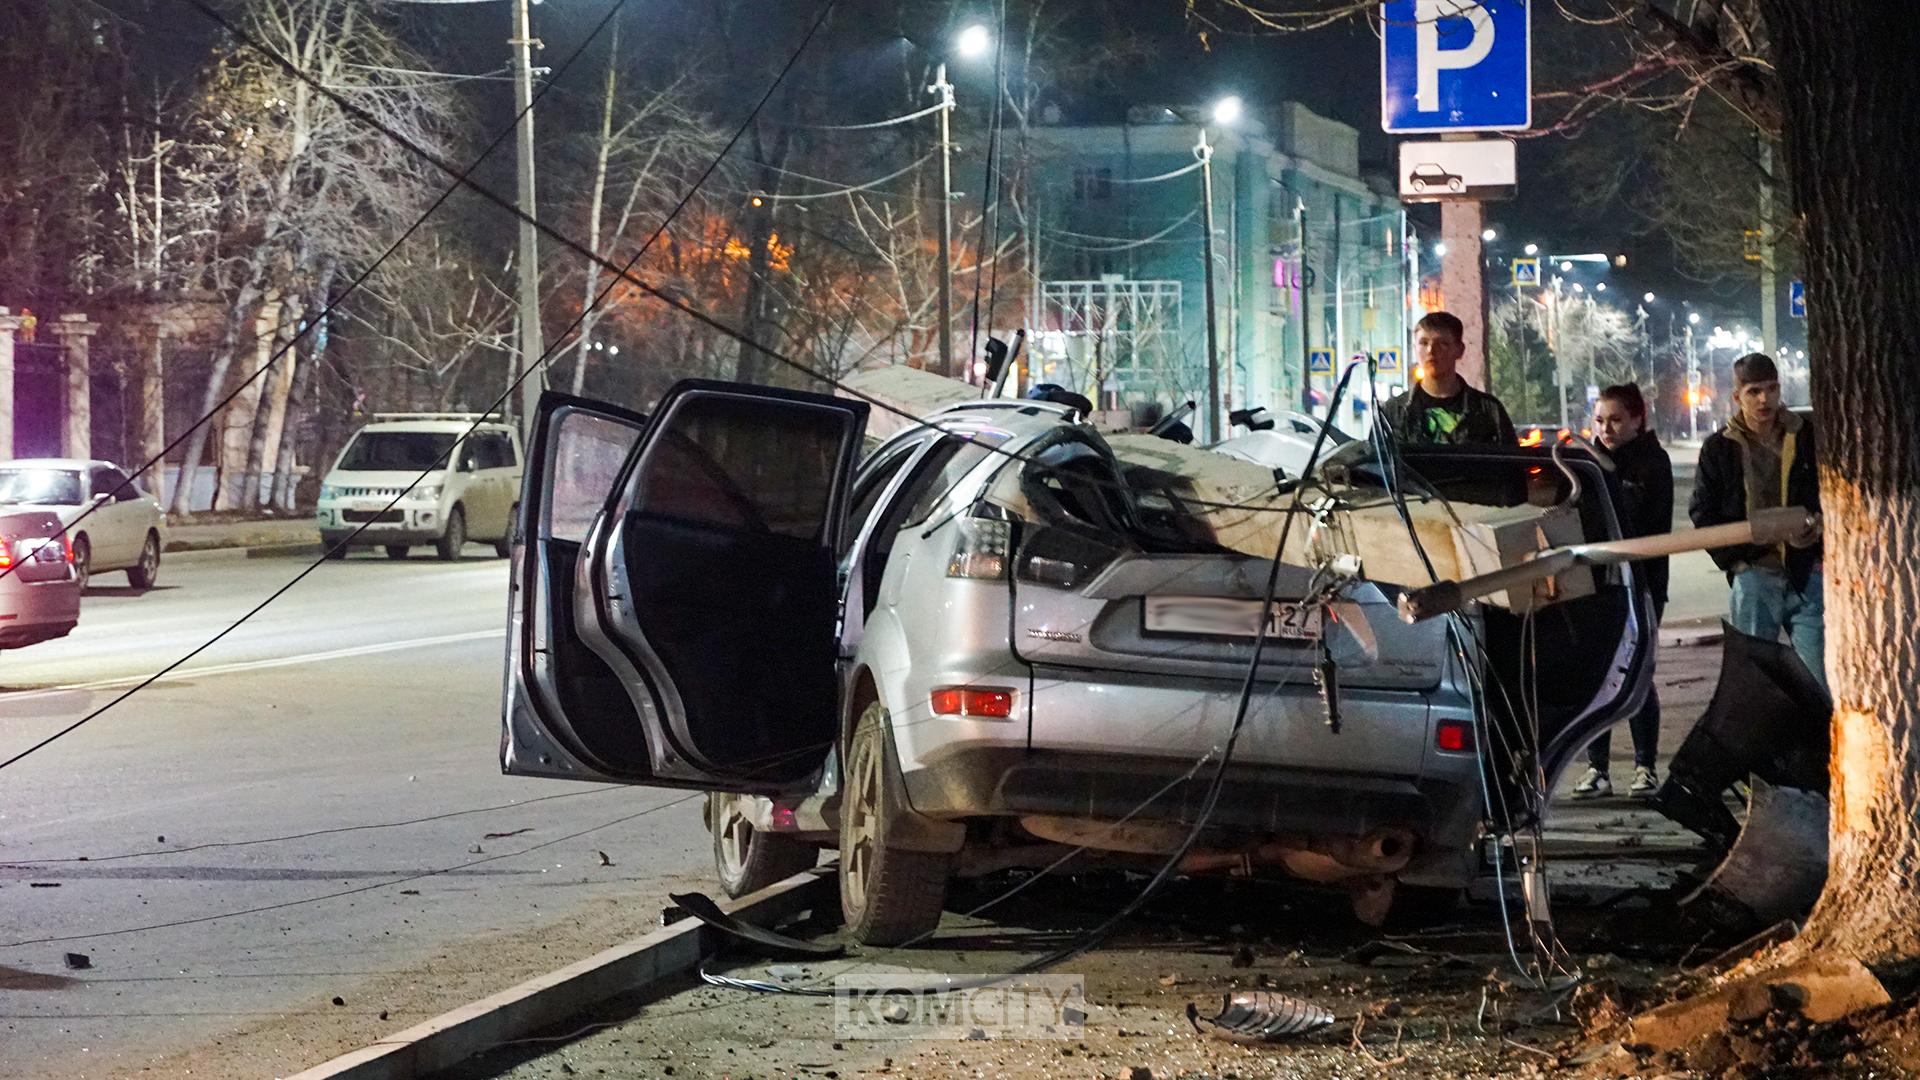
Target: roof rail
point(469, 416)
point(1026, 405)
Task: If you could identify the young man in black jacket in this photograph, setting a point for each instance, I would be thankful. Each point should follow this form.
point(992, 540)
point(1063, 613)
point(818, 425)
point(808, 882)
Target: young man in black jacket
point(1645, 475)
point(1441, 409)
point(1764, 458)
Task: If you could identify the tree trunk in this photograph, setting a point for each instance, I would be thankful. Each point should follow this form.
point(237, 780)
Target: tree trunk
point(194, 451)
point(1848, 77)
point(272, 403)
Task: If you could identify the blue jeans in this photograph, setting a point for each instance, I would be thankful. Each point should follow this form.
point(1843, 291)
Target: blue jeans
point(1765, 603)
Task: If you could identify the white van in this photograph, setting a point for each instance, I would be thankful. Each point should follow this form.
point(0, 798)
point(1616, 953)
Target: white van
point(468, 495)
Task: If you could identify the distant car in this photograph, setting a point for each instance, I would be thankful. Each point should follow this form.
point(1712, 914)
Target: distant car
point(40, 589)
point(1429, 176)
point(468, 492)
point(113, 524)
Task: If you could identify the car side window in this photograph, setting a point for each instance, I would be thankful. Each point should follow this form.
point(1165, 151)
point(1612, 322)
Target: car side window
point(113, 482)
point(493, 451)
point(941, 470)
point(871, 483)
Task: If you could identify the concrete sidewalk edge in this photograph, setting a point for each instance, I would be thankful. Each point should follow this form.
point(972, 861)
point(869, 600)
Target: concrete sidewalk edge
point(545, 1000)
point(257, 551)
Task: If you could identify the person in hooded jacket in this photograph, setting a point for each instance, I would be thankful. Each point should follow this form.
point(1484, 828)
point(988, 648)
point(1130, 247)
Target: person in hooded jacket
point(1645, 475)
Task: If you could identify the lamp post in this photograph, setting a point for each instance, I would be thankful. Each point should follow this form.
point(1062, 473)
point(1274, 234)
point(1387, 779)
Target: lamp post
point(531, 343)
point(1225, 111)
point(972, 43)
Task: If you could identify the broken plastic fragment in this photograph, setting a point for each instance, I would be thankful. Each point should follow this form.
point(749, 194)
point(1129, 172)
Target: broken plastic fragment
point(1257, 1016)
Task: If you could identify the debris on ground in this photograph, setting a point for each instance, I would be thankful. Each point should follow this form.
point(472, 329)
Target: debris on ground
point(1259, 1016)
point(504, 835)
point(79, 961)
point(604, 861)
point(1820, 991)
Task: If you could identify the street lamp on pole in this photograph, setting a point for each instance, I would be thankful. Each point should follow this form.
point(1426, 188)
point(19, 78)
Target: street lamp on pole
point(972, 43)
point(1225, 112)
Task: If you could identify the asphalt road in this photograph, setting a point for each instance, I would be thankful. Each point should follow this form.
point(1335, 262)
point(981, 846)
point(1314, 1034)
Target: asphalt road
point(160, 839)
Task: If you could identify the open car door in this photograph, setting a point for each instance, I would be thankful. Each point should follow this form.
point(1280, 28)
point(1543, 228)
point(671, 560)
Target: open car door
point(693, 645)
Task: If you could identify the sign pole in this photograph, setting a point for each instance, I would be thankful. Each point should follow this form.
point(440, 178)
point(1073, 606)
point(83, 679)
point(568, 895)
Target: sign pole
point(1463, 282)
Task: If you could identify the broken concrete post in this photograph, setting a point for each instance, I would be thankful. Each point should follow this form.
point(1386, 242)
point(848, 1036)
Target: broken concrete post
point(73, 330)
point(9, 324)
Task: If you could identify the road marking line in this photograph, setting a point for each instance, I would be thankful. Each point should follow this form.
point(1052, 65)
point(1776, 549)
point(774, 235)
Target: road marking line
point(263, 664)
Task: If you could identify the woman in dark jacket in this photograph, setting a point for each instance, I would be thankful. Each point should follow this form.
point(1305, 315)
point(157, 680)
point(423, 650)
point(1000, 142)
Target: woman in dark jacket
point(1645, 475)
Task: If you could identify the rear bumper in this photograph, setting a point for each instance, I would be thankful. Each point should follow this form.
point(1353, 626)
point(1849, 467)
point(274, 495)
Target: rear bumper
point(1255, 799)
point(34, 612)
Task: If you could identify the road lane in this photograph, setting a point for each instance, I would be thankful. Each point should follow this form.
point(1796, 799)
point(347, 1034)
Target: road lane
point(368, 696)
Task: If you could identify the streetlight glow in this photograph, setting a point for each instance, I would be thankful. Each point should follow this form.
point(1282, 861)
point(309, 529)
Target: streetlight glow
point(1227, 110)
point(1533, 249)
point(1566, 267)
point(1600, 287)
point(1579, 288)
point(1648, 298)
point(1693, 317)
point(973, 42)
point(1439, 250)
point(1489, 236)
point(1799, 354)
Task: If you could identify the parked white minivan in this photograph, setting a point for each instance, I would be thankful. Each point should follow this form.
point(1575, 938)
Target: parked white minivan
point(469, 492)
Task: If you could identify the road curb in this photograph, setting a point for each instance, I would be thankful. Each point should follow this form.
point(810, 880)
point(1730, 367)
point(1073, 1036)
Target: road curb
point(1692, 635)
point(545, 1000)
point(261, 551)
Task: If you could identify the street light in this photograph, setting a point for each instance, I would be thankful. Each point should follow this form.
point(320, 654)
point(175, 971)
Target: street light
point(1693, 317)
point(1600, 287)
point(1439, 250)
point(1566, 267)
point(1648, 298)
point(1224, 112)
point(1489, 236)
point(1533, 249)
point(972, 43)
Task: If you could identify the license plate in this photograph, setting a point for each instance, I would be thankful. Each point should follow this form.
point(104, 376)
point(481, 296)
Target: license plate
point(370, 505)
point(1213, 616)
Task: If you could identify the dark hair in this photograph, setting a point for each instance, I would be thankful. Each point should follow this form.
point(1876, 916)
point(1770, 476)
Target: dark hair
point(1445, 323)
point(1629, 396)
point(1753, 368)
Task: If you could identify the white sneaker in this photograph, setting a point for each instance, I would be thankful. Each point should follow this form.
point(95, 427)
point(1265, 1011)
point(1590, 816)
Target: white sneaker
point(1644, 781)
point(1592, 784)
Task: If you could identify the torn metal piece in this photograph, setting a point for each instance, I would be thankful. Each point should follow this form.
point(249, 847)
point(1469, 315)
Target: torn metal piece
point(1778, 864)
point(702, 907)
point(1259, 1016)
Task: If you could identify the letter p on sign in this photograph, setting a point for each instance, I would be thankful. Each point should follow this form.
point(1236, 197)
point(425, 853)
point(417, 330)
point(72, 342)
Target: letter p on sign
point(1456, 65)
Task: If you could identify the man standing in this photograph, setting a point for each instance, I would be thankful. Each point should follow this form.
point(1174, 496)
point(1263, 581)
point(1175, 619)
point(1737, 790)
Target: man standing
point(1442, 409)
point(1764, 458)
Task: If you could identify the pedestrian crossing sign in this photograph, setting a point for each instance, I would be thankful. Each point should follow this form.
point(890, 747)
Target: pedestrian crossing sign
point(1526, 273)
point(1387, 361)
point(1320, 361)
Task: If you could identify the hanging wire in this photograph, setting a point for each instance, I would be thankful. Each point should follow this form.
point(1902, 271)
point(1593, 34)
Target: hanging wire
point(838, 191)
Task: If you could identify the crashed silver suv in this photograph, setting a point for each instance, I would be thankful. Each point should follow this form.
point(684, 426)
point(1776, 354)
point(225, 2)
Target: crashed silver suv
point(988, 642)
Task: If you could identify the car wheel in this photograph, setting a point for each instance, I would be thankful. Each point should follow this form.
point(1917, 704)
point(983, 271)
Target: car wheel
point(398, 551)
point(888, 896)
point(143, 574)
point(1456, 184)
point(1419, 184)
point(336, 552)
point(745, 858)
point(503, 547)
point(82, 558)
point(450, 542)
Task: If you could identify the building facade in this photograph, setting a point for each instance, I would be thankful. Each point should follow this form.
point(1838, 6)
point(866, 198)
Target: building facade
point(1119, 297)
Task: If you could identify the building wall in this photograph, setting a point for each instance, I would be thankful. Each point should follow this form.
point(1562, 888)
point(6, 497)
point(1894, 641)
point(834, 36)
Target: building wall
point(1090, 220)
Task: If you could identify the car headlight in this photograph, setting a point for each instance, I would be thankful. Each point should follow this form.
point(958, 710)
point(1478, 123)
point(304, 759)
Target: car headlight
point(428, 493)
point(328, 492)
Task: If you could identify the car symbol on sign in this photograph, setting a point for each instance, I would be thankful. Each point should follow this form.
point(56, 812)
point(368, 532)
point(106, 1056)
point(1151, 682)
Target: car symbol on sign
point(1431, 176)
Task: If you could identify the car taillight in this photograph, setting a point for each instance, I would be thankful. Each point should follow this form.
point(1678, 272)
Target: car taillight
point(1454, 736)
point(1061, 558)
point(988, 703)
point(980, 549)
point(6, 553)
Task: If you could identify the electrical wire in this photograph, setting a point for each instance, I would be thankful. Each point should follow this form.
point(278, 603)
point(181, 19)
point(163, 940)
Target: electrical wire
point(1182, 171)
point(1115, 243)
point(907, 119)
point(462, 180)
point(310, 324)
point(837, 192)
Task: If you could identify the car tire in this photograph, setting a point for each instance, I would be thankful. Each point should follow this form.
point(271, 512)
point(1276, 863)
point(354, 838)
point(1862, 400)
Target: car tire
point(451, 541)
point(143, 574)
point(398, 551)
point(335, 552)
point(1418, 184)
point(1456, 184)
point(503, 547)
point(888, 896)
point(747, 859)
point(82, 559)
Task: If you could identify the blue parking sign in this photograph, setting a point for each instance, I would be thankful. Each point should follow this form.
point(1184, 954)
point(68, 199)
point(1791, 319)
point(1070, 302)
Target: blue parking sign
point(1797, 300)
point(1456, 65)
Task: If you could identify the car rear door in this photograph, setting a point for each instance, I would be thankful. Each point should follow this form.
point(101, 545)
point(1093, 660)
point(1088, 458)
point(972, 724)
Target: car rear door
point(694, 643)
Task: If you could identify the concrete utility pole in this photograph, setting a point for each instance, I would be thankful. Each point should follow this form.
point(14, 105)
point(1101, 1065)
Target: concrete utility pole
point(1463, 281)
point(531, 346)
point(1306, 311)
point(944, 88)
point(1205, 152)
point(1769, 277)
